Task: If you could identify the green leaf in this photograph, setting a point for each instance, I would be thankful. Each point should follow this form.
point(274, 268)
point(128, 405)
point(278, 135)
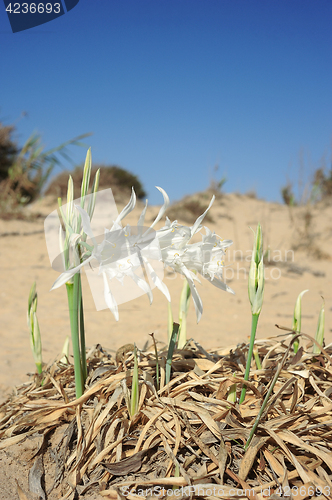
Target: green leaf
point(297, 318)
point(86, 177)
point(70, 200)
point(94, 189)
point(171, 348)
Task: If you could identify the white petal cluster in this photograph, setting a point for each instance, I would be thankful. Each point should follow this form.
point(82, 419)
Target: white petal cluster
point(126, 250)
point(205, 257)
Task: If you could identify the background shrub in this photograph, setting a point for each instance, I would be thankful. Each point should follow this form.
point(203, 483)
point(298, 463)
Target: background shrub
point(120, 180)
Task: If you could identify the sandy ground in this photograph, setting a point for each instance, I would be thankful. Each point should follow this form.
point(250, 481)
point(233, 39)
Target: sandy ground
point(300, 258)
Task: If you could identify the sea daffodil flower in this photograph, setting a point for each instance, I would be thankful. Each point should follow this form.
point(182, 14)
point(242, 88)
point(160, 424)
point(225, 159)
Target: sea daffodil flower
point(121, 253)
point(205, 257)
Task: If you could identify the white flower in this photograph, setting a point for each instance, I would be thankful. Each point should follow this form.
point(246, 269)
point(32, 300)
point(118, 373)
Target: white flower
point(122, 253)
point(205, 257)
point(127, 251)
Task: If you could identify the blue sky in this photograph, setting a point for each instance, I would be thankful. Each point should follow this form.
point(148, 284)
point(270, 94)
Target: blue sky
point(170, 88)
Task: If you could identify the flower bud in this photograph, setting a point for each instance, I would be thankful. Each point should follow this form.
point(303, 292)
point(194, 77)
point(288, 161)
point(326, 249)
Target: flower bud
point(297, 317)
point(256, 274)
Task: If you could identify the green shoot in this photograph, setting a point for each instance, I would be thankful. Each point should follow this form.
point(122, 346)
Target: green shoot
point(176, 474)
point(319, 337)
point(35, 337)
point(256, 292)
point(297, 318)
point(232, 394)
point(65, 351)
point(257, 360)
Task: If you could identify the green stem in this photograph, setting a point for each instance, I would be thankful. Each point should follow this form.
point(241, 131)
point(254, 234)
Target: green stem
point(257, 360)
point(254, 321)
point(82, 333)
point(73, 302)
point(169, 322)
point(182, 331)
point(39, 368)
point(296, 344)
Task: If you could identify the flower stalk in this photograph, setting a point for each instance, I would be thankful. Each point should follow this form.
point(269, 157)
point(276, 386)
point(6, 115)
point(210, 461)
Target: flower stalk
point(169, 321)
point(72, 238)
point(73, 304)
point(256, 292)
point(183, 311)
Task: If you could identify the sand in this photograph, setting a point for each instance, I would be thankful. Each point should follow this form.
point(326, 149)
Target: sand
point(300, 258)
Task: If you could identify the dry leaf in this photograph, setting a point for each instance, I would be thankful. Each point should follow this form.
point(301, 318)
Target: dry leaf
point(127, 465)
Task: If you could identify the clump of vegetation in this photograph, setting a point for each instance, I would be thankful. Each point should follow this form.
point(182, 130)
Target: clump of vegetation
point(216, 185)
point(120, 180)
point(8, 149)
point(322, 183)
point(288, 195)
point(312, 187)
point(251, 194)
point(318, 189)
point(25, 171)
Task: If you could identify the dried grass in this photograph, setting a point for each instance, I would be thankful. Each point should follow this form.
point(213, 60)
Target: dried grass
point(187, 433)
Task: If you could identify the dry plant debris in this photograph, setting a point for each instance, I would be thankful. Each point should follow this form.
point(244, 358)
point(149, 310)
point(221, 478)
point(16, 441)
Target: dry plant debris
point(186, 434)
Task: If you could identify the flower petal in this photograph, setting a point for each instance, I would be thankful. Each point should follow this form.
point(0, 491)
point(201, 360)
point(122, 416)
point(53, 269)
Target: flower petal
point(196, 298)
point(66, 275)
point(86, 223)
point(128, 208)
point(163, 208)
point(141, 219)
point(156, 280)
point(196, 225)
point(109, 299)
point(142, 284)
point(220, 284)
